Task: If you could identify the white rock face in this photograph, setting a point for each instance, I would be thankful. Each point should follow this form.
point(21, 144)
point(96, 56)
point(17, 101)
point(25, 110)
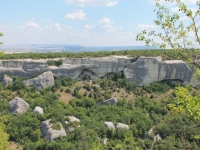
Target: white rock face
point(122, 126)
point(109, 125)
point(111, 101)
point(50, 134)
point(73, 119)
point(144, 71)
point(71, 67)
point(43, 81)
point(18, 106)
point(157, 138)
point(149, 69)
point(6, 80)
point(38, 110)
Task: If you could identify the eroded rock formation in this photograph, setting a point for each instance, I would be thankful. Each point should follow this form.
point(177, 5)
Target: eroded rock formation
point(71, 67)
point(50, 134)
point(144, 70)
point(149, 69)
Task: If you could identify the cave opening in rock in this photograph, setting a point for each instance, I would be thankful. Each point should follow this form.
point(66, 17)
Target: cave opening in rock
point(87, 74)
point(173, 82)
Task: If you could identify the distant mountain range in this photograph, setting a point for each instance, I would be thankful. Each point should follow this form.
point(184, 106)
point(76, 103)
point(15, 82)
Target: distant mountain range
point(66, 48)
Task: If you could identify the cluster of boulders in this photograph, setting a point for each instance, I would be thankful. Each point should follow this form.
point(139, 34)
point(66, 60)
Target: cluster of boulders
point(113, 126)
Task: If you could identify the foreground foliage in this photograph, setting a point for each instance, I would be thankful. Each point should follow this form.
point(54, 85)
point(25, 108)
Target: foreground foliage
point(145, 111)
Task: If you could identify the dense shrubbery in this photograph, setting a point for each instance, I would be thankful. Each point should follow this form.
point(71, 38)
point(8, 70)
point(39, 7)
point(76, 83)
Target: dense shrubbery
point(166, 54)
point(55, 62)
point(141, 114)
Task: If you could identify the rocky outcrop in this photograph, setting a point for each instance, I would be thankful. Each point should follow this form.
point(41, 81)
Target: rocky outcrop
point(157, 137)
point(109, 125)
point(122, 126)
point(18, 106)
point(144, 70)
point(38, 110)
point(72, 123)
point(112, 126)
point(50, 134)
point(109, 101)
point(43, 81)
point(6, 80)
point(149, 69)
point(71, 67)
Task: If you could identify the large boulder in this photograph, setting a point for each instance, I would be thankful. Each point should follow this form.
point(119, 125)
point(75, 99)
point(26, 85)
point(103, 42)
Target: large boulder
point(157, 137)
point(72, 123)
point(43, 81)
point(122, 126)
point(109, 125)
point(50, 134)
point(6, 80)
point(109, 101)
point(38, 110)
point(18, 106)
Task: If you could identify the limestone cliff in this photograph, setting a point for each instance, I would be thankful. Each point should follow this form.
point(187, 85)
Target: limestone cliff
point(71, 67)
point(149, 69)
point(144, 70)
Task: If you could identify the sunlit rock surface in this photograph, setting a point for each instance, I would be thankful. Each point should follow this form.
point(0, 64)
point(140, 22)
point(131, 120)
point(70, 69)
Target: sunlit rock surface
point(38, 110)
point(149, 69)
point(144, 70)
point(6, 80)
point(50, 134)
point(42, 81)
point(18, 106)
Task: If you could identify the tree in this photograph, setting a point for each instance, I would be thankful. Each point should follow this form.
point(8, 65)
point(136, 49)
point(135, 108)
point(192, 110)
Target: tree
point(175, 32)
point(3, 135)
point(1, 34)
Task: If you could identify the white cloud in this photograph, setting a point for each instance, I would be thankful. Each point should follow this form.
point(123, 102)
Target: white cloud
point(49, 26)
point(105, 21)
point(32, 24)
point(164, 2)
point(21, 27)
point(57, 25)
point(176, 10)
point(68, 27)
point(185, 18)
point(89, 27)
point(104, 24)
point(93, 2)
point(78, 14)
point(146, 26)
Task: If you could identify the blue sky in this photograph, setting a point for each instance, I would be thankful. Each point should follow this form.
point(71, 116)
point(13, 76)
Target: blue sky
point(82, 22)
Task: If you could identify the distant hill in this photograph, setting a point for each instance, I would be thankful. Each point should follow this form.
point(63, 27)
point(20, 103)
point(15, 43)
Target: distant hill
point(66, 48)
